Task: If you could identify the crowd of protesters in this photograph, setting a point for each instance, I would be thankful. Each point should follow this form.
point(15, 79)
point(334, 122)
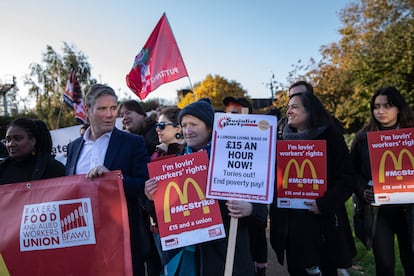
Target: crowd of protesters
point(317, 240)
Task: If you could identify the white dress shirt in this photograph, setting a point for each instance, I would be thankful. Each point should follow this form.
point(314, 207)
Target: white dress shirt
point(93, 152)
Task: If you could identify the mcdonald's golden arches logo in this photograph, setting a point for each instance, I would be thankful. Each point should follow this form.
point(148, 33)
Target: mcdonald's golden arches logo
point(397, 163)
point(299, 170)
point(183, 196)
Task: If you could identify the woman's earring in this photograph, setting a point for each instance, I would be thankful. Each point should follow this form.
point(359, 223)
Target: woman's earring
point(178, 135)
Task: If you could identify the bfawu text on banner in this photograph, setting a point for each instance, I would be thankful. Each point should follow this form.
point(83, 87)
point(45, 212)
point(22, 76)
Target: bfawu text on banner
point(65, 226)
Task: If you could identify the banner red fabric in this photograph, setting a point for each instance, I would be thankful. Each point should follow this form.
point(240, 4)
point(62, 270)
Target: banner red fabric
point(73, 96)
point(65, 226)
point(158, 62)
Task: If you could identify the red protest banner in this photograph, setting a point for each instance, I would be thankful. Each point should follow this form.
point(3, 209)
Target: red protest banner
point(301, 172)
point(392, 165)
point(185, 216)
point(65, 226)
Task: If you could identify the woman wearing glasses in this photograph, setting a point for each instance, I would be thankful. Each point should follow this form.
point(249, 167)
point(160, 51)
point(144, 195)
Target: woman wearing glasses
point(169, 133)
point(171, 143)
point(208, 258)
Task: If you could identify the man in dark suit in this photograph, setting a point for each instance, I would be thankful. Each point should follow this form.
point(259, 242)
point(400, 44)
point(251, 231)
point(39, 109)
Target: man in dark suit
point(104, 148)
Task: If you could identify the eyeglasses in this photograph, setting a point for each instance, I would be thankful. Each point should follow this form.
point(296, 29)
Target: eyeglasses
point(162, 125)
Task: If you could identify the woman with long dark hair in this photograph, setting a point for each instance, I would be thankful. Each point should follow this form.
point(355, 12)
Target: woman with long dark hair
point(389, 111)
point(319, 239)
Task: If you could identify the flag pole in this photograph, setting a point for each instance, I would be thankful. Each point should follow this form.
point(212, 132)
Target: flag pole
point(191, 85)
point(60, 112)
point(192, 88)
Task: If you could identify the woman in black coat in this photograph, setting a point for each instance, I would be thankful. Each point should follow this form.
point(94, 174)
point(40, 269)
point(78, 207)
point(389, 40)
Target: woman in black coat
point(389, 111)
point(29, 145)
point(318, 239)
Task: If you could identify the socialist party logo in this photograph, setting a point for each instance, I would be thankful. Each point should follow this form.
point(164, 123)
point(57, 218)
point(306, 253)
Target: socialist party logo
point(57, 224)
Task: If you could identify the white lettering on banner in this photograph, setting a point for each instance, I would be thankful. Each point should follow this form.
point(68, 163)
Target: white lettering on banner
point(399, 173)
point(164, 73)
point(191, 206)
point(57, 224)
point(306, 180)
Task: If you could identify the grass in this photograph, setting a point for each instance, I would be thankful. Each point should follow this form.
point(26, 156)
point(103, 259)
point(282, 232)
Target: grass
point(363, 263)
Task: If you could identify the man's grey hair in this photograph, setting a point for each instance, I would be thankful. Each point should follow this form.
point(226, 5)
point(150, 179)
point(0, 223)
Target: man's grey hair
point(97, 90)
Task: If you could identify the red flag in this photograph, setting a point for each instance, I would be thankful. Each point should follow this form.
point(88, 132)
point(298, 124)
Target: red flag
point(73, 96)
point(158, 62)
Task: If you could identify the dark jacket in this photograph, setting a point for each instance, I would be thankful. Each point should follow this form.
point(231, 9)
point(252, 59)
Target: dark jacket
point(172, 150)
point(45, 166)
point(211, 256)
point(324, 239)
point(366, 214)
point(126, 152)
point(150, 136)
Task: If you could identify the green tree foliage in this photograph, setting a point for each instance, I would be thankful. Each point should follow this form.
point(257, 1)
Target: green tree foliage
point(376, 50)
point(152, 104)
point(47, 83)
point(216, 89)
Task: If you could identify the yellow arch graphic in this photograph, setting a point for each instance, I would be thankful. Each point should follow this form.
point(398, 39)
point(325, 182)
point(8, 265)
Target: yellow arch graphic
point(183, 196)
point(397, 163)
point(299, 170)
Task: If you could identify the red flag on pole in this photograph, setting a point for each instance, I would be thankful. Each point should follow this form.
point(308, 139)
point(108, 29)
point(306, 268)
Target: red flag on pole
point(73, 96)
point(158, 62)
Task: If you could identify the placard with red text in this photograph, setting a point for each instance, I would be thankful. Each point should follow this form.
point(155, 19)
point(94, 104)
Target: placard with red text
point(185, 216)
point(392, 165)
point(301, 172)
point(242, 163)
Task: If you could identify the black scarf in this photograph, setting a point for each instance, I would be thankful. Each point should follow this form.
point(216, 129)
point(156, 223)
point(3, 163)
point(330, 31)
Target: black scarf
point(309, 134)
point(396, 126)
